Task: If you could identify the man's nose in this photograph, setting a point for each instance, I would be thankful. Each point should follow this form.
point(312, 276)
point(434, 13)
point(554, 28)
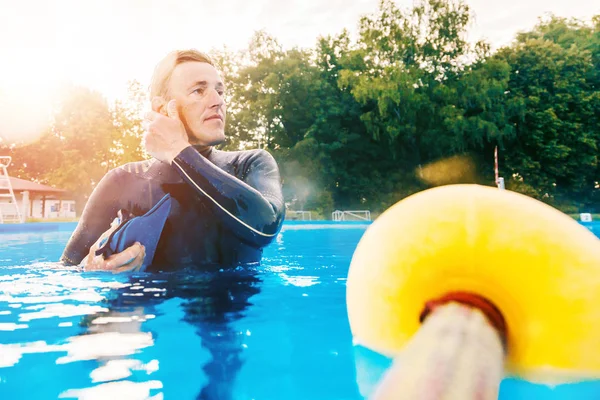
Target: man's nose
point(215, 99)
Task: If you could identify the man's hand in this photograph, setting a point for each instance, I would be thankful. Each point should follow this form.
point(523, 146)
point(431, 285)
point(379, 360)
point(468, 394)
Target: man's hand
point(130, 259)
point(165, 135)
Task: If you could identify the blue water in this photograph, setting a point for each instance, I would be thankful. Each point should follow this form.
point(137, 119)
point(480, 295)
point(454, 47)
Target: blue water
point(275, 331)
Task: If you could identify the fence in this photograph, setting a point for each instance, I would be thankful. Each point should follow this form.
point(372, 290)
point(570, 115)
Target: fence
point(356, 215)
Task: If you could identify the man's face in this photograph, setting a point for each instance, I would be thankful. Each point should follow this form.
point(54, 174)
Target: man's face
point(198, 90)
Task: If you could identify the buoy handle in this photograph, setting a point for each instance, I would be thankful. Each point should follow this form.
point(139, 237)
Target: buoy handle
point(491, 312)
point(455, 355)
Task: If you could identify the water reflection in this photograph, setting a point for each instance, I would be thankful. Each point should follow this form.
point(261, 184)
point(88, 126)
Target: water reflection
point(186, 335)
point(116, 390)
point(210, 302)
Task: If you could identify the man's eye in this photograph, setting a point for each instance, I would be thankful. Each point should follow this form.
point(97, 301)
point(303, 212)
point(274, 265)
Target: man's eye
point(221, 92)
point(199, 91)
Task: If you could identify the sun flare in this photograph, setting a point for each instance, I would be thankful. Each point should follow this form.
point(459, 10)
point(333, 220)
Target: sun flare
point(29, 90)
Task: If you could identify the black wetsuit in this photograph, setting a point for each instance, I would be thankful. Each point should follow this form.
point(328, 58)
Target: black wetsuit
point(227, 206)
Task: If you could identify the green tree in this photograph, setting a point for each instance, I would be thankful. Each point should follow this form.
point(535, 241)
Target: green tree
point(127, 117)
point(403, 70)
point(554, 79)
point(86, 133)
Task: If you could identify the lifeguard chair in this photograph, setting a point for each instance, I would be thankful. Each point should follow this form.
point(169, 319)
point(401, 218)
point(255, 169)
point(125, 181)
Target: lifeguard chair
point(9, 208)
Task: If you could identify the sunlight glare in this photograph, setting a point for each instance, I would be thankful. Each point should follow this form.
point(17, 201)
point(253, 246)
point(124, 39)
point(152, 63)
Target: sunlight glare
point(29, 88)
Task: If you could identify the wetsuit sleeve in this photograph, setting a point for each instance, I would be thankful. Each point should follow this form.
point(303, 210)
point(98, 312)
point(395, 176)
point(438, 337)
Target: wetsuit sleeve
point(252, 207)
point(99, 212)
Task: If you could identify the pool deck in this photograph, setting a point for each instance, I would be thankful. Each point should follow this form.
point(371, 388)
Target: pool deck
point(70, 226)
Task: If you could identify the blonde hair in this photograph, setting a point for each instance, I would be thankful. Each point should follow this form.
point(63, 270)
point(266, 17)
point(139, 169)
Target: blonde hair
point(159, 84)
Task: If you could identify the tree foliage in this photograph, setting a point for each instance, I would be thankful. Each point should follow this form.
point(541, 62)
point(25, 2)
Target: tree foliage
point(362, 123)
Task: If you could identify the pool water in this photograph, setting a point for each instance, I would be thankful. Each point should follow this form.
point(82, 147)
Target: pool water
point(274, 331)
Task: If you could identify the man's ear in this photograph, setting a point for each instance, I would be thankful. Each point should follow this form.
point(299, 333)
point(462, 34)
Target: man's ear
point(159, 105)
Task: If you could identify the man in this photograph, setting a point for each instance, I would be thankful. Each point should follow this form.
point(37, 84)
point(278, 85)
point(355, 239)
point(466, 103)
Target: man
point(227, 206)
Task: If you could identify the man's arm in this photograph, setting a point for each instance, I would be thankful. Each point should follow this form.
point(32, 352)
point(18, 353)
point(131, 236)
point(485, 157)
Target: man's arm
point(99, 212)
point(252, 208)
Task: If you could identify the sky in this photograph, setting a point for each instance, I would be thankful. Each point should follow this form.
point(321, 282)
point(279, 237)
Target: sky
point(102, 44)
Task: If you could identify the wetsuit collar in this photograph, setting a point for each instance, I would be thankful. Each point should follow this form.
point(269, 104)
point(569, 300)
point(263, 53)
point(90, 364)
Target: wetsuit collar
point(205, 151)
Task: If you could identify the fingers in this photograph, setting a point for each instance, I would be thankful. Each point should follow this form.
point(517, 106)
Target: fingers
point(94, 262)
point(130, 259)
point(150, 119)
point(91, 260)
point(125, 257)
point(134, 265)
point(158, 104)
point(172, 110)
point(151, 116)
point(169, 111)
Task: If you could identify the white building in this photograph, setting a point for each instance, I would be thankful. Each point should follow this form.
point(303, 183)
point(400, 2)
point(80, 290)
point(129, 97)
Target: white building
point(40, 201)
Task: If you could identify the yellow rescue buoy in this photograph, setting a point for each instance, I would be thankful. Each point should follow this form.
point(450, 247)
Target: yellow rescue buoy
point(539, 267)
